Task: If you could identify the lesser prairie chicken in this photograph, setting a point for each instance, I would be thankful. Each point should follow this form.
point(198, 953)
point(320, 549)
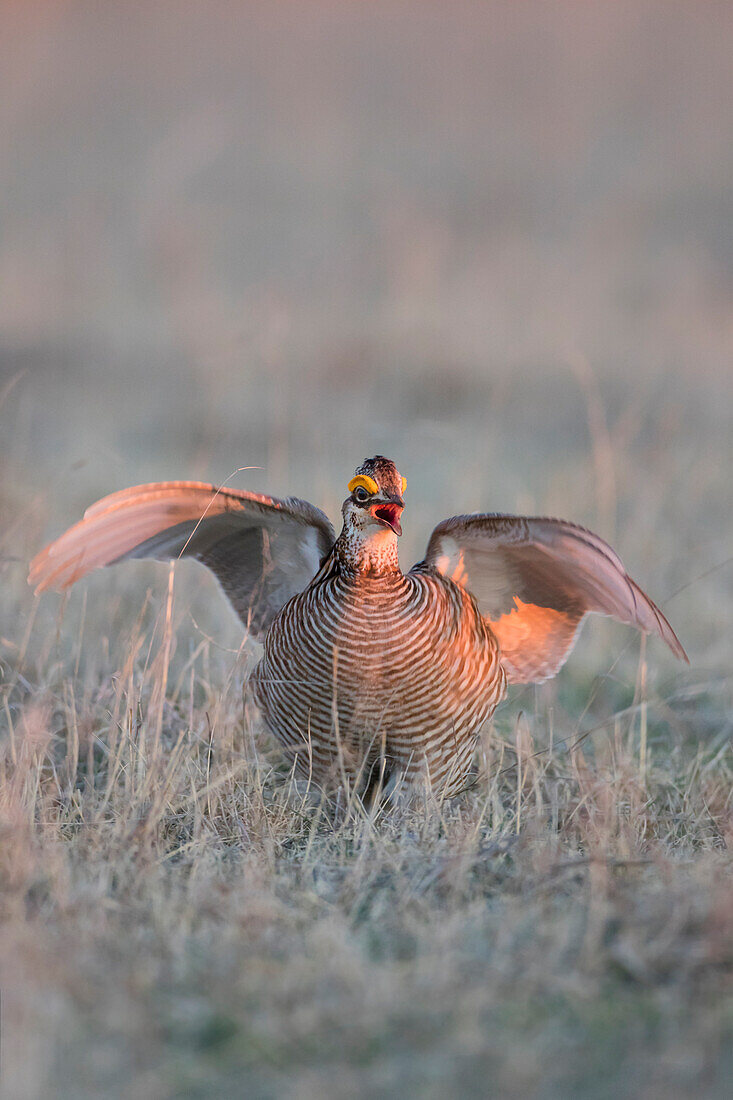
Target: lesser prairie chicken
point(368, 670)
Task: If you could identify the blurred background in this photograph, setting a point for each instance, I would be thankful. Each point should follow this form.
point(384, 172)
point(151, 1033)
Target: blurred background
point(491, 240)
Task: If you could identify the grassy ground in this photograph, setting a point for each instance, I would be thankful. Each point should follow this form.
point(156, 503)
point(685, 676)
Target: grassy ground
point(180, 920)
point(494, 244)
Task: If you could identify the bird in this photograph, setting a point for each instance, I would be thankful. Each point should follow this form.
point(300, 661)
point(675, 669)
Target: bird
point(372, 678)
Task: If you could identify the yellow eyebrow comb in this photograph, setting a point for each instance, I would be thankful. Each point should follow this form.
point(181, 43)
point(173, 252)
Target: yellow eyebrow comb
point(367, 483)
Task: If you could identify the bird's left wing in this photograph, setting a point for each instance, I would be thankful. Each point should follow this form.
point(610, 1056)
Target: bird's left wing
point(534, 580)
point(261, 549)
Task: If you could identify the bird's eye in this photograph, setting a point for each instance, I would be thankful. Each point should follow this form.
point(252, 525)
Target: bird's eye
point(361, 494)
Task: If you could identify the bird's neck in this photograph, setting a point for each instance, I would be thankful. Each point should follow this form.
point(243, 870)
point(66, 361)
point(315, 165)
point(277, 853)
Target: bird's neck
point(373, 551)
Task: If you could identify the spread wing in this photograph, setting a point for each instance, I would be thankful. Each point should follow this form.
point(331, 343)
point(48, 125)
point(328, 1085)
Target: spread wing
point(262, 550)
point(534, 581)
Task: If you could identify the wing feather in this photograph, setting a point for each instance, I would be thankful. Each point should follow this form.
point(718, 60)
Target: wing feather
point(534, 580)
point(262, 550)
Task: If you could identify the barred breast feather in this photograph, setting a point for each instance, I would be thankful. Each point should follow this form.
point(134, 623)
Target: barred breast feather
point(360, 669)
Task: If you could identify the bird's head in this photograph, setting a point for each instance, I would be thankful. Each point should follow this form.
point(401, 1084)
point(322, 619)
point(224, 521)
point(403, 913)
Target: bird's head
point(376, 497)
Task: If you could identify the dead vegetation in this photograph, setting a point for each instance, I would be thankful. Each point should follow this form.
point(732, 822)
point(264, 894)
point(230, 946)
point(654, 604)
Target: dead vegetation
point(180, 918)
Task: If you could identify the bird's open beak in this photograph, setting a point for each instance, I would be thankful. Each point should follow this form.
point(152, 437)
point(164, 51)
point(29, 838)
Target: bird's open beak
point(389, 513)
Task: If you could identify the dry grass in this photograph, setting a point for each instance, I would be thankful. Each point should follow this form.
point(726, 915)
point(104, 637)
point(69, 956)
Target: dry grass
point(492, 240)
point(180, 918)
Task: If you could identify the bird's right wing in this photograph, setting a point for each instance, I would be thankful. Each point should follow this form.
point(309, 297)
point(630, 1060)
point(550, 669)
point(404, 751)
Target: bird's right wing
point(261, 549)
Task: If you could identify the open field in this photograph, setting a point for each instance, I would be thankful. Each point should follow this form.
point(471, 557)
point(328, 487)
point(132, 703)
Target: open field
point(495, 242)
